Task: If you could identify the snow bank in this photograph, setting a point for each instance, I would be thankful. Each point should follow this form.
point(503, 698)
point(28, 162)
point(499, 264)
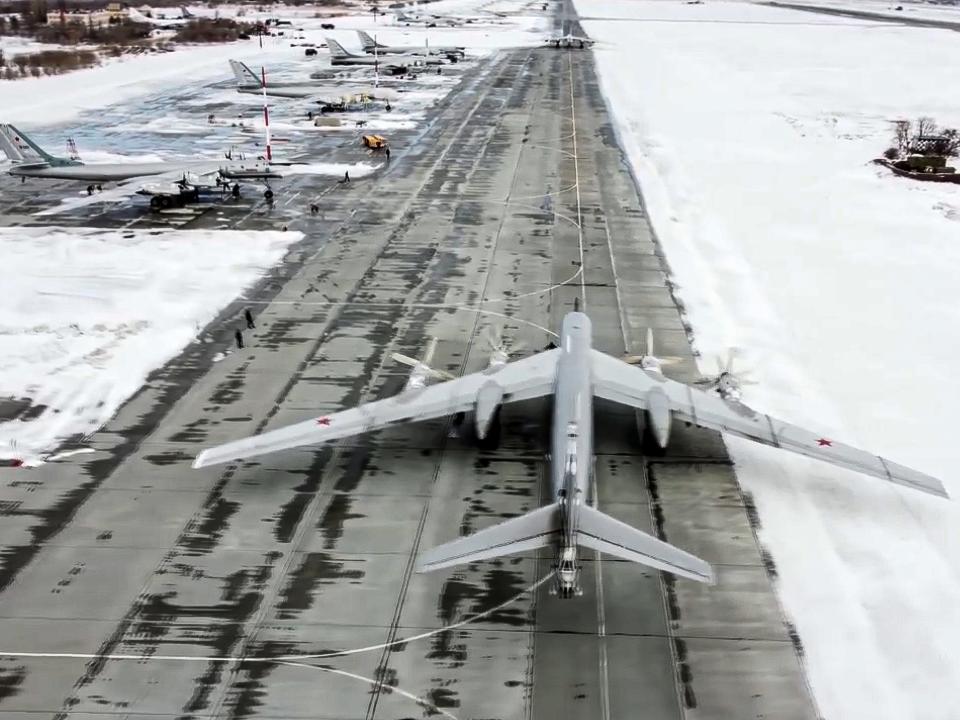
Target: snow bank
point(751, 131)
point(88, 313)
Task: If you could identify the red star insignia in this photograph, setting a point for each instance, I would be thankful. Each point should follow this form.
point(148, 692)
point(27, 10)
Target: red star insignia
point(323, 421)
point(823, 442)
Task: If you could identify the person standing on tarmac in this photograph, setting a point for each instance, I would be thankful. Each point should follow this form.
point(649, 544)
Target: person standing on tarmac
point(238, 336)
point(248, 316)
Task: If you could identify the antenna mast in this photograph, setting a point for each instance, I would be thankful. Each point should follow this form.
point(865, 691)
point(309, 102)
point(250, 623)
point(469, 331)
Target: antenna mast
point(266, 113)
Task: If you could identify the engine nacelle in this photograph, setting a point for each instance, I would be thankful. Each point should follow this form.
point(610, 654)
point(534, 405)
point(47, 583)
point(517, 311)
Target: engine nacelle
point(489, 398)
point(659, 417)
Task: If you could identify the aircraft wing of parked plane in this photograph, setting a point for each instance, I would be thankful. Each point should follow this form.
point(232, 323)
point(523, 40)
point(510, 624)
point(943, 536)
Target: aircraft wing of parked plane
point(574, 374)
point(521, 380)
point(248, 82)
point(664, 399)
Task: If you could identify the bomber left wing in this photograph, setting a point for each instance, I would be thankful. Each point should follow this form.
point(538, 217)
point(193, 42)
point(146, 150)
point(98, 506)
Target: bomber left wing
point(615, 380)
point(524, 379)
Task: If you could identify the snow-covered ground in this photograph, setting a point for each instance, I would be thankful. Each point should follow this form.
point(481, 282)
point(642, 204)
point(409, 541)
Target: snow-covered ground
point(87, 314)
point(751, 132)
point(908, 10)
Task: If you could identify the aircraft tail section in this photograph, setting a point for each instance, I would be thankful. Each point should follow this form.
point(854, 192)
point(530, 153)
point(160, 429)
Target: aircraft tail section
point(186, 14)
point(21, 149)
point(336, 49)
point(11, 148)
point(366, 41)
point(605, 534)
point(528, 532)
point(244, 75)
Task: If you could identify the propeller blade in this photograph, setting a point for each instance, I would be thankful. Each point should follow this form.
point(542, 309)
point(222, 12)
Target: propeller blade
point(728, 367)
point(670, 360)
point(440, 374)
point(404, 359)
point(431, 349)
point(494, 337)
point(633, 359)
point(649, 349)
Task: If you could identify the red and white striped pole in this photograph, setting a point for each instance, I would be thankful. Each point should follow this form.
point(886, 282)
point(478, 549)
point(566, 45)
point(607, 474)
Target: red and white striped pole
point(266, 112)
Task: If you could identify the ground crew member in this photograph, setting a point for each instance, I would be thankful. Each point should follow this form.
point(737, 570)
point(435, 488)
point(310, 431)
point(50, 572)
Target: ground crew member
point(346, 176)
point(388, 153)
point(238, 336)
point(249, 318)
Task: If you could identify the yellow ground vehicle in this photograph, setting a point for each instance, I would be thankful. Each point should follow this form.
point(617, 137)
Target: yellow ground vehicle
point(374, 142)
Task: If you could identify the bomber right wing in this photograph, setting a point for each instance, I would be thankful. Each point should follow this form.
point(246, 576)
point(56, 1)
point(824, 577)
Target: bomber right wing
point(623, 383)
point(521, 380)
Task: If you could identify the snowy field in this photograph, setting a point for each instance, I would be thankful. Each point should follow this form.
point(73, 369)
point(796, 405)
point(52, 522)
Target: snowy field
point(83, 323)
point(908, 10)
point(751, 131)
point(87, 314)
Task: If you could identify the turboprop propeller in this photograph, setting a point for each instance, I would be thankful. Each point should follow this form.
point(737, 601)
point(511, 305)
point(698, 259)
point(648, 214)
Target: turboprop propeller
point(727, 382)
point(649, 361)
point(500, 352)
point(422, 371)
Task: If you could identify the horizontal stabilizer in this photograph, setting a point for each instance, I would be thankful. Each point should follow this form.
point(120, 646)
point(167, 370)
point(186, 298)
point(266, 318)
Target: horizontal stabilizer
point(605, 534)
point(528, 532)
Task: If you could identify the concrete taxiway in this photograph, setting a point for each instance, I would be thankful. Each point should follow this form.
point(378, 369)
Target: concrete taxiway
point(185, 593)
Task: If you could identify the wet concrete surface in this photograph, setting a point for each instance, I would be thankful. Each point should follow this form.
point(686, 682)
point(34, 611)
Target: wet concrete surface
point(209, 577)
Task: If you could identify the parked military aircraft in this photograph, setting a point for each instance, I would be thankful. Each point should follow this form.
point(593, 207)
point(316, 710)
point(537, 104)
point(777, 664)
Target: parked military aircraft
point(158, 20)
point(339, 55)
point(429, 20)
point(249, 82)
point(574, 374)
point(570, 41)
point(167, 183)
point(371, 46)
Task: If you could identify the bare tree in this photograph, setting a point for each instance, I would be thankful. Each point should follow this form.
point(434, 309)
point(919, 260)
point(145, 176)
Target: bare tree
point(925, 127)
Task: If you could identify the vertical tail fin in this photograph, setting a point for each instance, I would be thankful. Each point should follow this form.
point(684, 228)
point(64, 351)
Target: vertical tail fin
point(244, 75)
point(12, 149)
point(16, 143)
point(336, 49)
point(366, 41)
